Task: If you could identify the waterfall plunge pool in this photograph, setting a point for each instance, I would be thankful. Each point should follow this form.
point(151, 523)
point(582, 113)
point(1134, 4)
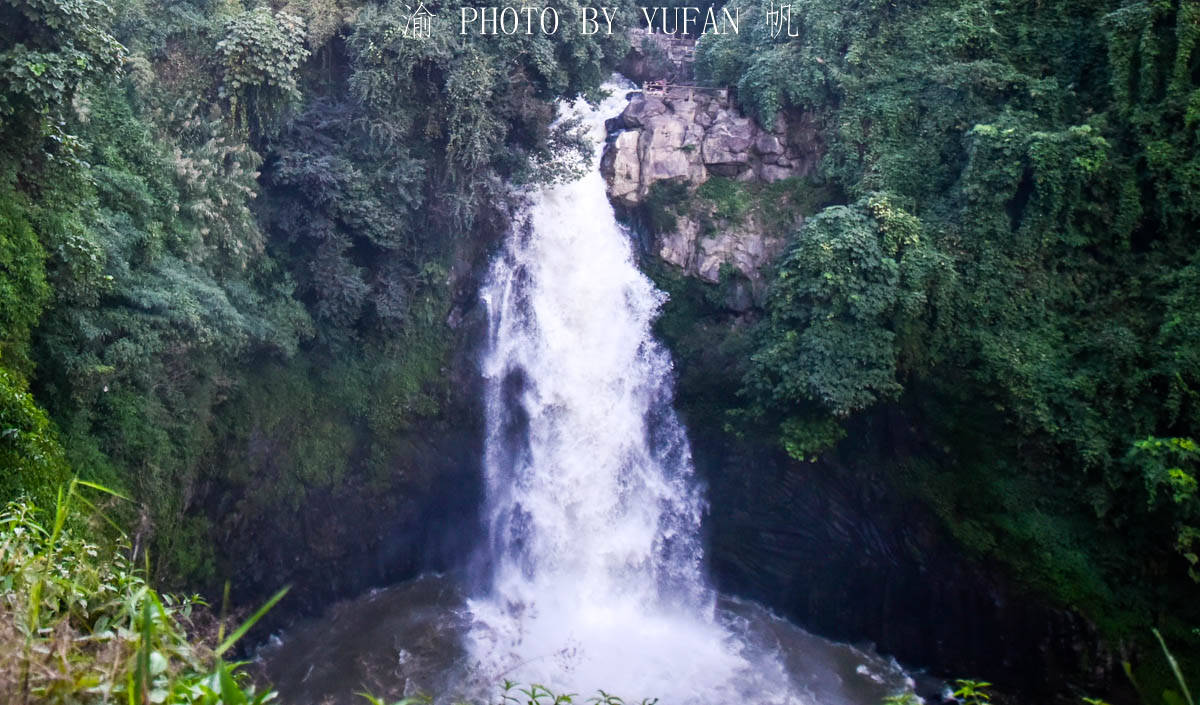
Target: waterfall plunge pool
point(592, 511)
point(411, 639)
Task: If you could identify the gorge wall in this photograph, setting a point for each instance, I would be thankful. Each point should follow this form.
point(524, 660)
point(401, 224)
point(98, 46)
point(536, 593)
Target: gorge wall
point(835, 544)
point(369, 529)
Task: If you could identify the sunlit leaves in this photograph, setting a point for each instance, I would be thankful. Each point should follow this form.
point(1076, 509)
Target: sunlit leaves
point(23, 289)
point(34, 461)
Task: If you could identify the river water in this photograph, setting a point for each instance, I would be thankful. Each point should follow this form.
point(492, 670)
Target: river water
point(595, 572)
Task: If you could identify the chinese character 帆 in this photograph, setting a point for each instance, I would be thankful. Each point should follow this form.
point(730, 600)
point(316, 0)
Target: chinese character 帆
point(780, 20)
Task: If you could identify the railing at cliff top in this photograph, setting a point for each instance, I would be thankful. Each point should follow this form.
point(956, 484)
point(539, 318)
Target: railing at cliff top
point(663, 88)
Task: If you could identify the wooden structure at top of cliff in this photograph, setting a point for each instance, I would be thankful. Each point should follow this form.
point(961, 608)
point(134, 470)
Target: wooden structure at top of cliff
point(681, 91)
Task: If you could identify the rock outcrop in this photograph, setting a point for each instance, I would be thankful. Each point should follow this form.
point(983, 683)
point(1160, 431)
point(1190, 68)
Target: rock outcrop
point(744, 248)
point(690, 135)
point(693, 133)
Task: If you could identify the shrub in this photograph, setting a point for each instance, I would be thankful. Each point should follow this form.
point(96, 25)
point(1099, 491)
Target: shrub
point(32, 460)
point(80, 624)
point(23, 289)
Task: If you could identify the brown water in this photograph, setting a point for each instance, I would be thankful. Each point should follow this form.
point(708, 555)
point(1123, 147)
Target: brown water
point(410, 639)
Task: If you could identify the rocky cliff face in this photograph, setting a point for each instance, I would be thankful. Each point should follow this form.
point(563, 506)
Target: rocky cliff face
point(834, 545)
point(689, 135)
point(836, 548)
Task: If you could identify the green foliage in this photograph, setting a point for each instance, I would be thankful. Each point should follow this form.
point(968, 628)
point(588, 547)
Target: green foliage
point(416, 700)
point(804, 437)
point(159, 284)
point(721, 203)
point(259, 55)
point(567, 156)
point(781, 204)
point(23, 289)
point(1041, 160)
point(335, 193)
point(512, 693)
point(730, 199)
point(33, 461)
point(1169, 466)
point(321, 421)
point(79, 624)
point(49, 49)
point(1152, 48)
point(662, 203)
point(375, 184)
point(216, 175)
point(972, 692)
point(143, 291)
point(323, 19)
point(852, 281)
point(1172, 697)
point(710, 354)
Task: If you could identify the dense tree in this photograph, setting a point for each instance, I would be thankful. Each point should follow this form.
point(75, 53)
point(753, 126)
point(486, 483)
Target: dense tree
point(1040, 160)
point(195, 195)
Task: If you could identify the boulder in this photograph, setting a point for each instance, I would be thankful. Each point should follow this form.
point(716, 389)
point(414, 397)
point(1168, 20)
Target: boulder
point(726, 145)
point(622, 168)
point(677, 247)
point(660, 149)
point(745, 249)
point(640, 109)
point(768, 144)
point(772, 173)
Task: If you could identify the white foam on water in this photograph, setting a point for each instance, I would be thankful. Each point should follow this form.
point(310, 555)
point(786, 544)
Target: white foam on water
point(592, 508)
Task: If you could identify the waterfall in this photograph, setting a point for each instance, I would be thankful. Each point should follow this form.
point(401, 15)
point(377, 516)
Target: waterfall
point(592, 509)
point(596, 577)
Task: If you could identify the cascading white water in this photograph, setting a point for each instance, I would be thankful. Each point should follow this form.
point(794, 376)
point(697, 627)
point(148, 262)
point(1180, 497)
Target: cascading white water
point(597, 577)
point(592, 508)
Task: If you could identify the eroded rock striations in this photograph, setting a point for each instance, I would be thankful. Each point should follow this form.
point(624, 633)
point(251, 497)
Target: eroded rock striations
point(690, 135)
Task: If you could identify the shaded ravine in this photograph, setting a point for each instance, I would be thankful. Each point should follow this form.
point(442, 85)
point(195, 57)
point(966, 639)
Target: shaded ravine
point(595, 574)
